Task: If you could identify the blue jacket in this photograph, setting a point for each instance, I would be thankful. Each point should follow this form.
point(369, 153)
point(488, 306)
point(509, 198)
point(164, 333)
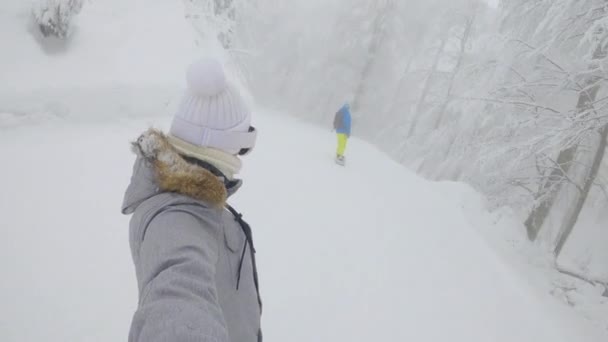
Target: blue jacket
point(343, 120)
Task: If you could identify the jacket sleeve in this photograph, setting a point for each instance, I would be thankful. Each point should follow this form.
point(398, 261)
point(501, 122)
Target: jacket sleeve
point(178, 299)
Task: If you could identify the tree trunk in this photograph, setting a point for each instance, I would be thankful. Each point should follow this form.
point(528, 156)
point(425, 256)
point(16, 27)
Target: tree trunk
point(405, 72)
point(552, 186)
point(548, 193)
point(463, 45)
point(570, 222)
point(420, 33)
point(372, 49)
point(427, 85)
point(418, 38)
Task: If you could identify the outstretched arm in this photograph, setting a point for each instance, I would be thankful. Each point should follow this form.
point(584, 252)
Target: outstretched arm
point(178, 299)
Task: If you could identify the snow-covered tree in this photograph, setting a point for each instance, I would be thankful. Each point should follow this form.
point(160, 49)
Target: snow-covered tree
point(219, 18)
point(54, 17)
point(511, 100)
point(553, 75)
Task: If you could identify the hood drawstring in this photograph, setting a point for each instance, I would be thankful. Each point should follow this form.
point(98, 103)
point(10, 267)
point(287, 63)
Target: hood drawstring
point(239, 218)
point(248, 243)
point(248, 240)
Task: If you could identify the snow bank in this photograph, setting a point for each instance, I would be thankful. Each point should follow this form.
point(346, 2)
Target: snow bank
point(122, 58)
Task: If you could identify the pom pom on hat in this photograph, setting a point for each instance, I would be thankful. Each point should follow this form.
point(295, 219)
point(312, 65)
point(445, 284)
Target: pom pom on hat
point(206, 78)
point(212, 113)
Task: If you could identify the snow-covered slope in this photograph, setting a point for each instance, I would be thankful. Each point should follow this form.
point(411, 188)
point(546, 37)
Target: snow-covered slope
point(113, 42)
point(365, 252)
point(123, 57)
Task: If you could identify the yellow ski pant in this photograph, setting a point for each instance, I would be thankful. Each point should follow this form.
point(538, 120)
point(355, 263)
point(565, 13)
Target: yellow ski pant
point(342, 140)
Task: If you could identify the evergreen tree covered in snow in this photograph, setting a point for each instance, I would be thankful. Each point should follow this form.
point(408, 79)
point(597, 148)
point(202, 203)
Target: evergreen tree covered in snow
point(54, 17)
point(216, 17)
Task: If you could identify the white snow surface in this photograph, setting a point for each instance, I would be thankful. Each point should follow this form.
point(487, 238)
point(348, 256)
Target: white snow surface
point(124, 57)
point(365, 252)
point(113, 41)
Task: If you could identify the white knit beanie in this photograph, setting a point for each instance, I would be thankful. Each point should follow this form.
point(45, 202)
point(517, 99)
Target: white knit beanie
point(212, 114)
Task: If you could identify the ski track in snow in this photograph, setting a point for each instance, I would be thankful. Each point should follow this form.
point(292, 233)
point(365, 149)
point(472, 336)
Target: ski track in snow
point(358, 253)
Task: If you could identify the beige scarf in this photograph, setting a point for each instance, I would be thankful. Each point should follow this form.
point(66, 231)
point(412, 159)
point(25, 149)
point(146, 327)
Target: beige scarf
point(228, 164)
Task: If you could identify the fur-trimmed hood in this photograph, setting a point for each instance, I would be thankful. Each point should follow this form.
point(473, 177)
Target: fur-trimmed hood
point(159, 168)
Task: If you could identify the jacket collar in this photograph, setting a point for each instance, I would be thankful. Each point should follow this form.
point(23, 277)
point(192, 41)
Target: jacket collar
point(159, 168)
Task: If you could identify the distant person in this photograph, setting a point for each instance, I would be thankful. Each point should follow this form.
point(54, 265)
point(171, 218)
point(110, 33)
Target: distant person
point(193, 254)
point(342, 124)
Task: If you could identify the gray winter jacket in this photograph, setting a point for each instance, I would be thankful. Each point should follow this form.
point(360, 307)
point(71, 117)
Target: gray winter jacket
point(187, 251)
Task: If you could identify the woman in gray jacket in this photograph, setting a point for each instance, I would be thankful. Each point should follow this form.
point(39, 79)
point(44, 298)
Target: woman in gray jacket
point(194, 255)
